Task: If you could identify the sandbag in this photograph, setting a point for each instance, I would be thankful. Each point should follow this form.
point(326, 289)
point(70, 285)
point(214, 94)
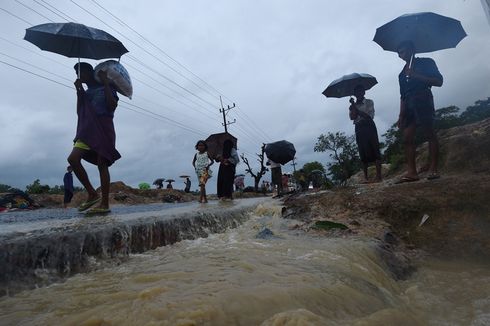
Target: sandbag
point(118, 75)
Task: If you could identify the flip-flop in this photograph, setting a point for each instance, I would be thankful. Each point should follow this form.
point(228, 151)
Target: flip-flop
point(406, 179)
point(86, 205)
point(98, 211)
point(433, 176)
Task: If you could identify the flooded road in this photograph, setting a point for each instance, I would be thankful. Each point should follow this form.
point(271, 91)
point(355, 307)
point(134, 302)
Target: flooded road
point(237, 278)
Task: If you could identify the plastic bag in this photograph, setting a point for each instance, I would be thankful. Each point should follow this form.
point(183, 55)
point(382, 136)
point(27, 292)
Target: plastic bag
point(118, 75)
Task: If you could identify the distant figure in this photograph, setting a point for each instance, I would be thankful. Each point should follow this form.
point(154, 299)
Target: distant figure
point(362, 112)
point(201, 162)
point(187, 188)
point(417, 108)
point(285, 182)
point(68, 187)
point(95, 139)
point(169, 185)
point(239, 183)
point(276, 176)
point(226, 173)
point(158, 183)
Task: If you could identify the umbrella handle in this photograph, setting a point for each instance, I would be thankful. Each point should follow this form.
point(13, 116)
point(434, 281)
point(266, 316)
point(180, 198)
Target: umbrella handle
point(410, 65)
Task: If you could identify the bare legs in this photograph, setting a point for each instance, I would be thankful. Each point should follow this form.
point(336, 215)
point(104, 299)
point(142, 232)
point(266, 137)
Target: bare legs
point(409, 142)
point(75, 160)
point(378, 171)
point(203, 198)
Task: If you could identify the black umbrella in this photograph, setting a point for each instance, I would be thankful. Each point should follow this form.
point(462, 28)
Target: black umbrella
point(215, 143)
point(75, 41)
point(426, 30)
point(280, 151)
point(344, 86)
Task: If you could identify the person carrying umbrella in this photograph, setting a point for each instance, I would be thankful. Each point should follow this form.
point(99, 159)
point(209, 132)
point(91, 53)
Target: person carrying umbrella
point(417, 108)
point(226, 172)
point(361, 111)
point(95, 139)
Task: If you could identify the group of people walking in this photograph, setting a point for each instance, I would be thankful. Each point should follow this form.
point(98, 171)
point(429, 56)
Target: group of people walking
point(95, 135)
point(417, 110)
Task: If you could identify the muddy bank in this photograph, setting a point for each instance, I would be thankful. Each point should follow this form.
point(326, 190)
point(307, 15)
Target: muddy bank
point(456, 206)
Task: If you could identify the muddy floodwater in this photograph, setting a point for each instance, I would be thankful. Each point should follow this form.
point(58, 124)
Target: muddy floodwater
point(237, 278)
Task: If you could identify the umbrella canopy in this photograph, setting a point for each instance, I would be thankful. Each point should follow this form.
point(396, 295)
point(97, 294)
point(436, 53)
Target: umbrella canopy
point(426, 30)
point(169, 180)
point(75, 41)
point(215, 143)
point(184, 176)
point(344, 86)
point(280, 151)
point(158, 181)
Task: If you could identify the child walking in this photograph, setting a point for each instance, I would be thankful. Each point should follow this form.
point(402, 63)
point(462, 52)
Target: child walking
point(201, 162)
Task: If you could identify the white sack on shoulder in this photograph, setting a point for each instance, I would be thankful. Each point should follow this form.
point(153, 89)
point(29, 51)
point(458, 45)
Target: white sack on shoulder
point(118, 75)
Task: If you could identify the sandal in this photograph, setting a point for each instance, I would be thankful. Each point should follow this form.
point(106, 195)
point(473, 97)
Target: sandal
point(433, 176)
point(406, 179)
point(98, 211)
point(86, 205)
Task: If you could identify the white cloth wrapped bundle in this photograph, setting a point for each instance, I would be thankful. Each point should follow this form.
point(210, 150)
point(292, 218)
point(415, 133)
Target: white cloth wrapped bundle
point(118, 75)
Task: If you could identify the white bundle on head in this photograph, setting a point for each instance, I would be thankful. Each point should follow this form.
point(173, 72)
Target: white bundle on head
point(118, 75)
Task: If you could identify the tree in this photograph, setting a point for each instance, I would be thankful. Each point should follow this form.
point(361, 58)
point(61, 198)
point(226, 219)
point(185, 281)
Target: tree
point(447, 117)
point(344, 154)
point(37, 188)
point(477, 112)
point(5, 188)
point(256, 175)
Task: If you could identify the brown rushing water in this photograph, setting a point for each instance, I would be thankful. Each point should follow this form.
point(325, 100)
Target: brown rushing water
point(236, 279)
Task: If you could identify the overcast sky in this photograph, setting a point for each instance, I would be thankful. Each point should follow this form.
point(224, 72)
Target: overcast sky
point(272, 58)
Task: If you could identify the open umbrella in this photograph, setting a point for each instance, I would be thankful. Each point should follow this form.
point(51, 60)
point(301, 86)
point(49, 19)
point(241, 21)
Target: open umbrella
point(344, 86)
point(184, 176)
point(280, 151)
point(215, 143)
point(426, 30)
point(159, 182)
point(75, 41)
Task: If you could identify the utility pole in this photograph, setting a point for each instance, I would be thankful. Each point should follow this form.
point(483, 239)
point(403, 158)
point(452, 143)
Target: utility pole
point(294, 164)
point(225, 112)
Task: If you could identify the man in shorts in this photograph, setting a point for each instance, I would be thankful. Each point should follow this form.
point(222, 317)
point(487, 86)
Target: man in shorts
point(417, 108)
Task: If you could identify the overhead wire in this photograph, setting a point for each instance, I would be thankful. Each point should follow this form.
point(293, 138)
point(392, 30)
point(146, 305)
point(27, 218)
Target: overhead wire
point(67, 79)
point(247, 118)
point(172, 121)
point(150, 68)
point(146, 51)
point(244, 132)
point(31, 9)
point(55, 11)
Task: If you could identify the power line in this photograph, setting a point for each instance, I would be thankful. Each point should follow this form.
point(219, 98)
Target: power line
point(174, 122)
point(181, 65)
point(14, 15)
point(146, 51)
point(245, 133)
point(37, 12)
point(55, 11)
point(33, 73)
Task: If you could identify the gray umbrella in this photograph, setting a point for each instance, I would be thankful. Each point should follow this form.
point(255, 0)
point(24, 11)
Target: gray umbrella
point(75, 41)
point(426, 30)
point(344, 86)
point(280, 151)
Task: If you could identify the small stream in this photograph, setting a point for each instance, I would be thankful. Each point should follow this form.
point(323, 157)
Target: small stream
point(237, 278)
